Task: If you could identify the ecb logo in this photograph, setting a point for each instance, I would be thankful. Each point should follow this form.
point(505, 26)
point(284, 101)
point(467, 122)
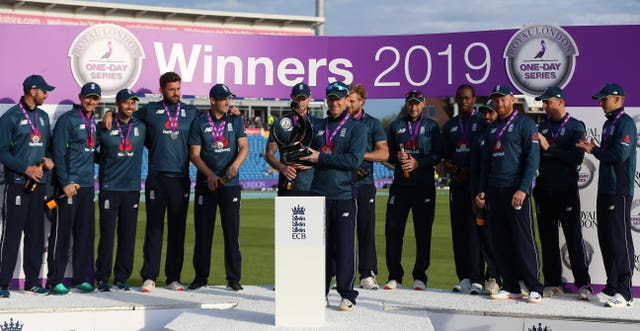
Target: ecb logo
point(107, 54)
point(539, 56)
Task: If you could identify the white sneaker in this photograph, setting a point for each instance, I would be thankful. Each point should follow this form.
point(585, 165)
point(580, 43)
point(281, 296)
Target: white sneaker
point(475, 289)
point(175, 286)
point(148, 286)
point(584, 292)
point(419, 285)
point(524, 291)
point(534, 297)
point(550, 291)
point(618, 301)
point(369, 283)
point(346, 305)
point(492, 286)
point(504, 295)
point(392, 285)
point(600, 297)
point(463, 287)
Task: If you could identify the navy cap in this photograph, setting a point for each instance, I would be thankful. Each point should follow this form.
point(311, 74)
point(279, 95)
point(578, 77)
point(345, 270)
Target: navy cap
point(220, 91)
point(551, 92)
point(338, 89)
point(487, 106)
point(501, 90)
point(416, 95)
point(36, 81)
point(609, 89)
point(126, 94)
point(90, 89)
point(300, 90)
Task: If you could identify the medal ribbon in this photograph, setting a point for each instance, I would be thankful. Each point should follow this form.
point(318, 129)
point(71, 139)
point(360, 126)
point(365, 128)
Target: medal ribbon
point(360, 116)
point(464, 129)
point(608, 131)
point(34, 128)
point(564, 122)
point(216, 132)
point(504, 128)
point(413, 134)
point(124, 140)
point(90, 127)
point(328, 140)
point(173, 121)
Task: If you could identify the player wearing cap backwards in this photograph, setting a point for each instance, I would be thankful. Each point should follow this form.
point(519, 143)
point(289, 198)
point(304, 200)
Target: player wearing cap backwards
point(415, 147)
point(167, 186)
point(218, 146)
point(556, 194)
point(120, 159)
point(617, 156)
point(458, 135)
point(73, 147)
point(294, 179)
point(338, 149)
point(509, 164)
point(25, 138)
point(491, 274)
point(377, 151)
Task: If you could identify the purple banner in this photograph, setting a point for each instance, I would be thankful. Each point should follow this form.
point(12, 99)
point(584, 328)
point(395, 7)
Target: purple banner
point(259, 66)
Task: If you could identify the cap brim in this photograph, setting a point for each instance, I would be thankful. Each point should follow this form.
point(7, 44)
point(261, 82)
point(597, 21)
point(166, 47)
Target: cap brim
point(133, 97)
point(416, 99)
point(485, 108)
point(336, 95)
point(91, 94)
point(300, 95)
point(49, 88)
point(498, 93)
point(599, 96)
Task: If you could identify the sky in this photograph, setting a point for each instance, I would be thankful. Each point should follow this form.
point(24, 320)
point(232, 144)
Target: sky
point(395, 17)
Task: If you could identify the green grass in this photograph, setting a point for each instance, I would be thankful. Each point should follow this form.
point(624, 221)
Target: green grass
point(257, 245)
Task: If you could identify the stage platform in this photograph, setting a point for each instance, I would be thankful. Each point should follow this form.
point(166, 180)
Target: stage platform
point(216, 308)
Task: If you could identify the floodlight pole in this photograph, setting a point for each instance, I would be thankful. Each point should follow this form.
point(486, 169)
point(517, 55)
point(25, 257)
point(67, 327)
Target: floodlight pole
point(320, 13)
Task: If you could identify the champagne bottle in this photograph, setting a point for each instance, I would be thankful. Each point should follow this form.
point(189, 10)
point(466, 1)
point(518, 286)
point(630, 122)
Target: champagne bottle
point(31, 184)
point(53, 202)
point(480, 216)
point(222, 180)
point(407, 173)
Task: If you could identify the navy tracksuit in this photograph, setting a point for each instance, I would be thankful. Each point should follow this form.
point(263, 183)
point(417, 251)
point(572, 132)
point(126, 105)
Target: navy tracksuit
point(227, 197)
point(73, 155)
point(167, 187)
point(617, 156)
point(22, 212)
point(558, 200)
point(458, 136)
point(486, 242)
point(416, 193)
point(366, 201)
point(509, 164)
point(119, 177)
point(335, 177)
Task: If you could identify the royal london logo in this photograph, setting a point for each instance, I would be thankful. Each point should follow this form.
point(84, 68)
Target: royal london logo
point(11, 326)
point(588, 254)
point(107, 54)
point(635, 215)
point(539, 56)
point(586, 173)
point(298, 223)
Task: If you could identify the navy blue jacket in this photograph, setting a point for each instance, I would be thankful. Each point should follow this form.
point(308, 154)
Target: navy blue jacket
point(375, 134)
point(455, 148)
point(336, 172)
point(167, 156)
point(120, 170)
point(428, 153)
point(17, 149)
point(560, 163)
point(515, 162)
point(617, 155)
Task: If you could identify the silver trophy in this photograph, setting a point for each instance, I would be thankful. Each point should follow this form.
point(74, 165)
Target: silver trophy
point(293, 144)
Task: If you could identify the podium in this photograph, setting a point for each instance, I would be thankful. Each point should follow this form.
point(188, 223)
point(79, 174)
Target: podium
point(300, 261)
